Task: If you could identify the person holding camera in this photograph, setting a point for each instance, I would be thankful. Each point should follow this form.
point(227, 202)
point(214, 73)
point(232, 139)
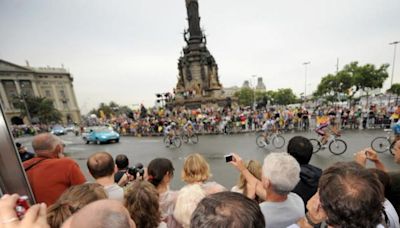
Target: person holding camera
point(102, 168)
point(122, 163)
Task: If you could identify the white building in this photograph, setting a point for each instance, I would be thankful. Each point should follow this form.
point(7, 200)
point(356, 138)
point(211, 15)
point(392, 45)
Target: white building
point(52, 83)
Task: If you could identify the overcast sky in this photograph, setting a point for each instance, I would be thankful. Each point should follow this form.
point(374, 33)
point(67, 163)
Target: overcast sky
point(127, 50)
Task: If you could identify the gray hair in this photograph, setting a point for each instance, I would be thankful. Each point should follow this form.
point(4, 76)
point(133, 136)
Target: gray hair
point(45, 142)
point(283, 172)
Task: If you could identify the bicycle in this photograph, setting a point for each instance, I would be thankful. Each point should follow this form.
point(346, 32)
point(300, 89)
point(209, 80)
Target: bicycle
point(175, 140)
point(194, 138)
point(277, 140)
point(381, 144)
point(336, 146)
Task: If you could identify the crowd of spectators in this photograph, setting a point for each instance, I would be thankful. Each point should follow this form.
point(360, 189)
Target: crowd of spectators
point(210, 120)
point(226, 120)
point(284, 191)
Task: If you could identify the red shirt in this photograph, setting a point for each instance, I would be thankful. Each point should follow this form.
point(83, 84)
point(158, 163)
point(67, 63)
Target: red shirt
point(51, 177)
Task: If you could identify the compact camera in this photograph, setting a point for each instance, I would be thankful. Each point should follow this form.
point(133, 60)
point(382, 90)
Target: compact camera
point(22, 206)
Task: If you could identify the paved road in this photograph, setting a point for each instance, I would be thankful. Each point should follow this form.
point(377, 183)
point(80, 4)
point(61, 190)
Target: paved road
point(213, 148)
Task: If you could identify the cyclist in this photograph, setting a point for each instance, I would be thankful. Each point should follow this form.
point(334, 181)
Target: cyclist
point(269, 128)
point(188, 128)
point(326, 123)
point(396, 131)
point(170, 132)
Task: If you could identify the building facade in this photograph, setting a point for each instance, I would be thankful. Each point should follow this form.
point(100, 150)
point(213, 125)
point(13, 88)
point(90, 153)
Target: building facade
point(25, 81)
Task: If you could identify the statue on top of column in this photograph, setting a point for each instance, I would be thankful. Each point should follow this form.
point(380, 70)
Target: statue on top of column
point(192, 7)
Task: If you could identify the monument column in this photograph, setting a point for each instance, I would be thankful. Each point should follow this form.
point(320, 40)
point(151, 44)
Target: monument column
point(198, 70)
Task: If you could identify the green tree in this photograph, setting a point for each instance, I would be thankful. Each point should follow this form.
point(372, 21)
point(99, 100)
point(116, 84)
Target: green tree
point(351, 79)
point(111, 108)
point(367, 77)
point(285, 96)
point(395, 89)
point(332, 86)
point(245, 96)
point(40, 109)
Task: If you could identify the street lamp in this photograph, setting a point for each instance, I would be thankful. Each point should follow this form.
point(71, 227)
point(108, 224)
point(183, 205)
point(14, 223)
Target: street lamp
point(163, 98)
point(394, 60)
point(305, 79)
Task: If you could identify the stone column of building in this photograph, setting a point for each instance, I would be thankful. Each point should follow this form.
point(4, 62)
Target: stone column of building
point(56, 98)
point(35, 89)
point(18, 87)
point(3, 95)
point(74, 104)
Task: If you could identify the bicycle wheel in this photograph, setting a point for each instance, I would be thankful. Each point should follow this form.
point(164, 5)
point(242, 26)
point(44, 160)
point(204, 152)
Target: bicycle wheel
point(278, 141)
point(260, 141)
point(337, 147)
point(316, 145)
point(391, 148)
point(380, 144)
point(194, 138)
point(185, 138)
point(177, 142)
point(166, 141)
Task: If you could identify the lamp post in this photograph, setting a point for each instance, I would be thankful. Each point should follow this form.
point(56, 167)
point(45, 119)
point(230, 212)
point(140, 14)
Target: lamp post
point(305, 79)
point(254, 91)
point(163, 98)
point(394, 60)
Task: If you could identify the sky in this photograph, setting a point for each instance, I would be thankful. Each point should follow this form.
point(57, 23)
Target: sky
point(127, 50)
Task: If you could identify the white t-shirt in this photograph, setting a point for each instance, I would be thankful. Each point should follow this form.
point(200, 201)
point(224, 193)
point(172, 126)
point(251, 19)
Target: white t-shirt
point(268, 125)
point(283, 214)
point(115, 192)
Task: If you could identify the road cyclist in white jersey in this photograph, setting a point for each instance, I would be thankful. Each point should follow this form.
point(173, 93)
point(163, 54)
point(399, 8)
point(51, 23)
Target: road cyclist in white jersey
point(188, 128)
point(269, 127)
point(170, 132)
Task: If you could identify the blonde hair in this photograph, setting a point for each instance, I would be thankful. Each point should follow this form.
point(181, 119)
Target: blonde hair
point(186, 202)
point(72, 200)
point(195, 169)
point(254, 168)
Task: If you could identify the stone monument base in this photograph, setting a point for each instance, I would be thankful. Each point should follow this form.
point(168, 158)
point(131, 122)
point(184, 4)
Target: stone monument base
point(202, 102)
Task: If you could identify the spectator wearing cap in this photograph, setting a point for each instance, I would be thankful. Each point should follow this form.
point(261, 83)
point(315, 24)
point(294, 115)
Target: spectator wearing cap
point(24, 154)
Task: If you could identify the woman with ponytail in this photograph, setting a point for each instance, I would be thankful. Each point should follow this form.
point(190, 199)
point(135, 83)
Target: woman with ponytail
point(72, 200)
point(160, 173)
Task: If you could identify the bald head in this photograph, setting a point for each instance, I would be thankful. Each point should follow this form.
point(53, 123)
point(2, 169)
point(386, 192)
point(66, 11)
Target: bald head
point(101, 164)
point(101, 214)
point(46, 143)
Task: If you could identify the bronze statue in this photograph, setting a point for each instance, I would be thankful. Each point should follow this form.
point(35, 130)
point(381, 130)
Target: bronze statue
point(192, 7)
